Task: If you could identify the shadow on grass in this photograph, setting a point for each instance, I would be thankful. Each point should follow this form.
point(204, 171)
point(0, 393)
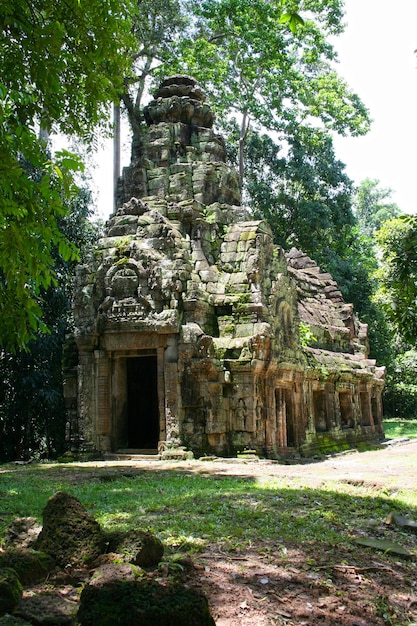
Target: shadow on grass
point(187, 507)
point(243, 530)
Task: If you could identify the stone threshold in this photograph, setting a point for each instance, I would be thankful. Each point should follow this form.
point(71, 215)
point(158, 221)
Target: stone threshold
point(133, 455)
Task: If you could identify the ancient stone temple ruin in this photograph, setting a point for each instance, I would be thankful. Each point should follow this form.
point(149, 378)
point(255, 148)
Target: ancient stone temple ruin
point(188, 318)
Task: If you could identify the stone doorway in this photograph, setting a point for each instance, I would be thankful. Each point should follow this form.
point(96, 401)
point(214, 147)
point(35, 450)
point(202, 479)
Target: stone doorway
point(284, 403)
point(142, 403)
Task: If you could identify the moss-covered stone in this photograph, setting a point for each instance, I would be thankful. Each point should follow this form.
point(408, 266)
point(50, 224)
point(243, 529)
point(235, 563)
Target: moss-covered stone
point(12, 620)
point(147, 603)
point(69, 534)
point(31, 566)
point(22, 532)
point(140, 547)
point(184, 271)
point(10, 590)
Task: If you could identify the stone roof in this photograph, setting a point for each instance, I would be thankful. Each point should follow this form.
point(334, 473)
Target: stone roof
point(321, 306)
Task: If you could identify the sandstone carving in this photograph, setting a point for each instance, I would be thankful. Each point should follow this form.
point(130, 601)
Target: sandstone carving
point(188, 318)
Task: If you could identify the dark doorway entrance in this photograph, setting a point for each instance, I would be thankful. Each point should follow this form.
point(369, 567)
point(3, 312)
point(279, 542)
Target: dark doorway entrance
point(142, 403)
point(289, 414)
point(285, 414)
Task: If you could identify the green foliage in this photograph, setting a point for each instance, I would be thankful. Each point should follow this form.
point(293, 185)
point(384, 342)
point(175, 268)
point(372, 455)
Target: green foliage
point(60, 67)
point(293, 20)
point(373, 207)
point(397, 275)
point(400, 398)
point(307, 337)
point(62, 62)
point(157, 26)
point(31, 191)
point(32, 411)
point(267, 63)
point(257, 66)
point(300, 188)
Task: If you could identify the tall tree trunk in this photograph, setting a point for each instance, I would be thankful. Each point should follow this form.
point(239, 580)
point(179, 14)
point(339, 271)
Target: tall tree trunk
point(244, 127)
point(116, 151)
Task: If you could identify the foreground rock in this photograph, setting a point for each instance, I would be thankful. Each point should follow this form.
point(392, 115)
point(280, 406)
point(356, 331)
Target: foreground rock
point(10, 590)
point(12, 620)
point(31, 566)
point(142, 603)
point(143, 548)
point(22, 532)
point(118, 590)
point(49, 609)
point(69, 533)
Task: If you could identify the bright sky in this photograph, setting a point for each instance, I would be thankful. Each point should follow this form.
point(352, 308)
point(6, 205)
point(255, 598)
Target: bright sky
point(377, 59)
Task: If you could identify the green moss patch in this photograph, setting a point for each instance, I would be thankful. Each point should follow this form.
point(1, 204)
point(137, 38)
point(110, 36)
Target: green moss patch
point(31, 566)
point(10, 590)
point(133, 603)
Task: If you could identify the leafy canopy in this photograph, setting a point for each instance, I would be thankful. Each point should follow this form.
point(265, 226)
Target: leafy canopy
point(61, 62)
point(373, 206)
point(266, 63)
point(248, 60)
point(397, 274)
point(33, 422)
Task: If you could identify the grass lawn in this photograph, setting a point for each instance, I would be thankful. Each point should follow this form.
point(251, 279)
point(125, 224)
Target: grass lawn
point(266, 536)
point(396, 427)
point(189, 511)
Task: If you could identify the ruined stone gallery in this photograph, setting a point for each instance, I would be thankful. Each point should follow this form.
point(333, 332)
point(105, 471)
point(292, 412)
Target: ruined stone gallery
point(188, 316)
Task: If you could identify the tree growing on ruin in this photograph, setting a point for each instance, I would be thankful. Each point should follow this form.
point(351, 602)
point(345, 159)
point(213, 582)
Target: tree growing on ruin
point(268, 65)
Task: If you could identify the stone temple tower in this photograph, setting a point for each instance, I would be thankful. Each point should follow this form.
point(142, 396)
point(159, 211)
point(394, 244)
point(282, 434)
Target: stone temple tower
point(188, 316)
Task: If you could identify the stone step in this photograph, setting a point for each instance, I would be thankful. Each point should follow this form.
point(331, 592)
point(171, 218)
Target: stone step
point(133, 455)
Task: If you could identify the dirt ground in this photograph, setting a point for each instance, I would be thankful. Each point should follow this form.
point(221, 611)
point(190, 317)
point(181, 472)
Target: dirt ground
point(350, 588)
point(355, 588)
point(341, 587)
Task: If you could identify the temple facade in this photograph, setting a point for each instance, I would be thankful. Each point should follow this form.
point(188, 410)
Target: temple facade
point(191, 324)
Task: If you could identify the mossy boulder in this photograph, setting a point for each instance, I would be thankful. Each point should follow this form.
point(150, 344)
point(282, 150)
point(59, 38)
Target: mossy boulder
point(31, 566)
point(10, 590)
point(22, 532)
point(69, 533)
point(12, 620)
point(138, 546)
point(48, 608)
point(110, 572)
point(150, 552)
point(143, 603)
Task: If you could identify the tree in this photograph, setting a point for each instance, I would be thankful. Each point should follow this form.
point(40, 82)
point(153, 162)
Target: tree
point(157, 26)
point(61, 63)
point(400, 398)
point(397, 275)
point(301, 189)
point(373, 206)
point(32, 410)
point(255, 69)
point(258, 61)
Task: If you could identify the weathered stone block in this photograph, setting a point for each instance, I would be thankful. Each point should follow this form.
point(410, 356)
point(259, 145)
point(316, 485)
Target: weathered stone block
point(10, 590)
point(142, 602)
point(70, 535)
